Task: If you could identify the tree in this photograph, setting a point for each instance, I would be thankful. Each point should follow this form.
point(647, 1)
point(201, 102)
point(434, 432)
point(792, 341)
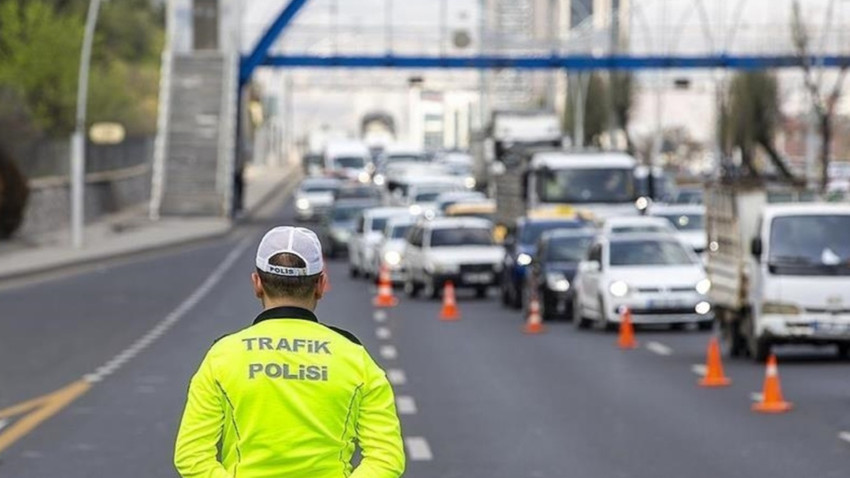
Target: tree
point(622, 101)
point(823, 102)
point(596, 113)
point(750, 117)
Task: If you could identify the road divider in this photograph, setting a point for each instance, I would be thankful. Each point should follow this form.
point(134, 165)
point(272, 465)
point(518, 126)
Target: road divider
point(418, 449)
point(714, 374)
point(405, 405)
point(449, 312)
point(659, 349)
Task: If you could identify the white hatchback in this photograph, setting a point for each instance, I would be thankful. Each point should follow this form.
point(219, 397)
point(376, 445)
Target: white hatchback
point(653, 275)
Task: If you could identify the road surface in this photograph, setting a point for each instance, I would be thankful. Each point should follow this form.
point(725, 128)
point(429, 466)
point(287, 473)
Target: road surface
point(94, 367)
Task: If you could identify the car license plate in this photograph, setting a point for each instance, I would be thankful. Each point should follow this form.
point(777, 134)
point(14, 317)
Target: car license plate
point(478, 278)
point(665, 304)
point(830, 328)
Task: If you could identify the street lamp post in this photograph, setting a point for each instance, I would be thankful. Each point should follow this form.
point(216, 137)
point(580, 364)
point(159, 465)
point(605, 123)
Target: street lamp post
point(78, 140)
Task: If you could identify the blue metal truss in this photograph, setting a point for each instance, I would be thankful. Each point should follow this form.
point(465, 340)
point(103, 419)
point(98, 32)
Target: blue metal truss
point(260, 53)
point(569, 62)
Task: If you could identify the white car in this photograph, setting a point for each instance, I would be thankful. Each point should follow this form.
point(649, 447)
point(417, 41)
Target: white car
point(654, 275)
point(390, 250)
point(460, 250)
point(368, 232)
point(632, 224)
point(314, 197)
point(348, 159)
point(689, 221)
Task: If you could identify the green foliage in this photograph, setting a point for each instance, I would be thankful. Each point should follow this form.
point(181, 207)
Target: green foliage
point(40, 44)
point(597, 111)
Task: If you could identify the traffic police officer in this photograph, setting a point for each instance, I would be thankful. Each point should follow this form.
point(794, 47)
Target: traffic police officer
point(289, 396)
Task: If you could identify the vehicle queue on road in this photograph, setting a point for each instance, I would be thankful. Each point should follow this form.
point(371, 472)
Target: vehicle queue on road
point(419, 219)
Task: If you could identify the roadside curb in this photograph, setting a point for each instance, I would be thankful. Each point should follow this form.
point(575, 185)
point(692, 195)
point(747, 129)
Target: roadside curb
point(283, 187)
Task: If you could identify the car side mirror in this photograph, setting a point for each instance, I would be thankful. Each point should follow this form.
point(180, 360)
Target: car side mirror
point(756, 247)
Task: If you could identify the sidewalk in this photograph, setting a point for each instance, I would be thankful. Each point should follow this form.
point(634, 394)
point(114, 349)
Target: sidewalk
point(132, 232)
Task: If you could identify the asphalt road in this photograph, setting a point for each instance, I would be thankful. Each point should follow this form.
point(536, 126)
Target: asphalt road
point(479, 398)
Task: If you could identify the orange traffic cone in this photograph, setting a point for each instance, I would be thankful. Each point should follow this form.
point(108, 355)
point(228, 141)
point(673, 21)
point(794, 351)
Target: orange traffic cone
point(771, 399)
point(714, 375)
point(626, 339)
point(385, 291)
point(534, 323)
point(450, 311)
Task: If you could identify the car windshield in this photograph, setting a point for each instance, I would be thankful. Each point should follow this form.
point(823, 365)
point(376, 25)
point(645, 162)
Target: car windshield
point(531, 231)
point(399, 232)
point(319, 188)
point(688, 196)
point(350, 162)
point(426, 196)
point(568, 249)
point(648, 252)
point(810, 245)
point(463, 236)
point(686, 222)
point(357, 193)
point(625, 229)
point(379, 223)
point(346, 213)
point(586, 186)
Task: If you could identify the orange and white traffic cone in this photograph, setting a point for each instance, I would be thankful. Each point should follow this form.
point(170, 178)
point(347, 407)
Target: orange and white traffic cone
point(450, 311)
point(771, 397)
point(534, 322)
point(626, 339)
point(385, 291)
point(714, 375)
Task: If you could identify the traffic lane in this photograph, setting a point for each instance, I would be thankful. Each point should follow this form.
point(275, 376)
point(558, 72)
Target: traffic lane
point(55, 331)
point(493, 399)
point(813, 378)
point(128, 421)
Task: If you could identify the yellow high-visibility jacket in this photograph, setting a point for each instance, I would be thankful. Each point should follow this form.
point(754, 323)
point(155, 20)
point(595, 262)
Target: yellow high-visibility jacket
point(288, 397)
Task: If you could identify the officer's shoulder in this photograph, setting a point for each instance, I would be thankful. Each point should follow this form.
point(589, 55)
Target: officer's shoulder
point(348, 335)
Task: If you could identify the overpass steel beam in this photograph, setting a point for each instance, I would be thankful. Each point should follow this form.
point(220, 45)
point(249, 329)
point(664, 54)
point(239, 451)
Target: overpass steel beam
point(260, 52)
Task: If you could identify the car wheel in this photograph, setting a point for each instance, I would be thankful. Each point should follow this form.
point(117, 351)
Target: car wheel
point(544, 311)
point(706, 325)
point(429, 290)
point(353, 271)
point(410, 287)
point(734, 343)
point(843, 351)
point(503, 288)
point(606, 324)
point(757, 347)
point(579, 320)
point(481, 292)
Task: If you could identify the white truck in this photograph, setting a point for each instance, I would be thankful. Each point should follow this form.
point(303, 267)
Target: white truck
point(595, 185)
point(779, 272)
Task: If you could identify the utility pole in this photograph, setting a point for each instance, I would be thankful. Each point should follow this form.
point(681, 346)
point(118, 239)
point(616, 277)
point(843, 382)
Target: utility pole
point(78, 140)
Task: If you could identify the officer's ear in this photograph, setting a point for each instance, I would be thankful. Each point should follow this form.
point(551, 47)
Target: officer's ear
point(321, 285)
point(257, 285)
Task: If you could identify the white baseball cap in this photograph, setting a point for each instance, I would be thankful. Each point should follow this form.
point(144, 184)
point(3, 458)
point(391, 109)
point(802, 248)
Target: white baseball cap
point(298, 241)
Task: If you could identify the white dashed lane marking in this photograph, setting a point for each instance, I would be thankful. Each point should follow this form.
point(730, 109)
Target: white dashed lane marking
point(165, 324)
point(699, 369)
point(659, 348)
point(380, 316)
point(383, 333)
point(3, 424)
point(756, 396)
point(405, 405)
point(844, 436)
point(396, 376)
point(388, 352)
point(418, 449)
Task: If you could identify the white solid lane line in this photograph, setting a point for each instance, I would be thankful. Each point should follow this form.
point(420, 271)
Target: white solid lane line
point(845, 436)
point(396, 376)
point(756, 396)
point(388, 352)
point(699, 369)
point(418, 449)
point(380, 316)
point(176, 315)
point(659, 348)
point(405, 405)
point(383, 333)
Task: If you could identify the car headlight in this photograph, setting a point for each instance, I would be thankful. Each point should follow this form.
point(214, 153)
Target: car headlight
point(557, 282)
point(779, 308)
point(302, 204)
point(523, 259)
point(379, 179)
point(415, 210)
point(392, 258)
point(363, 177)
point(703, 286)
point(702, 308)
point(618, 288)
point(469, 182)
